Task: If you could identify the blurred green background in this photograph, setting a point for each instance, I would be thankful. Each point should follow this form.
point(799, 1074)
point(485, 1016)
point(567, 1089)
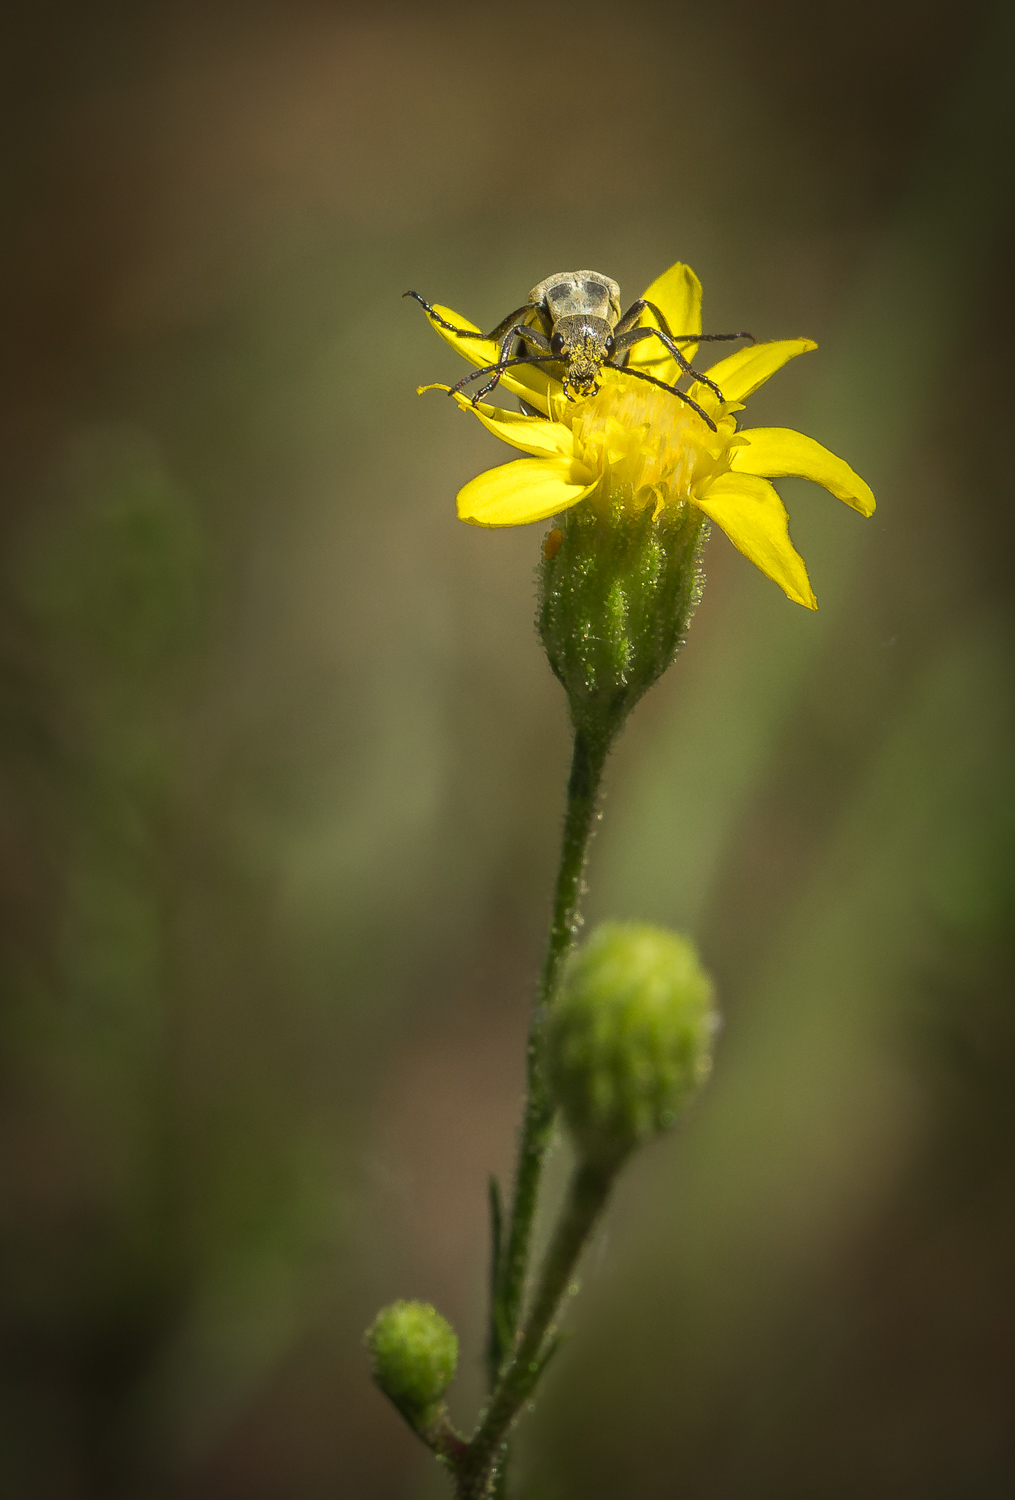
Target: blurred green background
point(282, 763)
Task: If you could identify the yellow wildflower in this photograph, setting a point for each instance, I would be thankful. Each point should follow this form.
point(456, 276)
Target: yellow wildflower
point(633, 444)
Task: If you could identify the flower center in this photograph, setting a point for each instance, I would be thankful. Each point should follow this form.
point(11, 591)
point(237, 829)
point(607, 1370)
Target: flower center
point(646, 443)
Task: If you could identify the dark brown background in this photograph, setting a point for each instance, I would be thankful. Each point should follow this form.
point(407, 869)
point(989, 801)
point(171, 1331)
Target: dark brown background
point(282, 762)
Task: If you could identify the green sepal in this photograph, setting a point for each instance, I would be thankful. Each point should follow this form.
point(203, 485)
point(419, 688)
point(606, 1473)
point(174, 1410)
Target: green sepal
point(616, 598)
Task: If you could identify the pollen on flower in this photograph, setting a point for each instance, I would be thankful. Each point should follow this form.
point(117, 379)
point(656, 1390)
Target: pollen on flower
point(647, 442)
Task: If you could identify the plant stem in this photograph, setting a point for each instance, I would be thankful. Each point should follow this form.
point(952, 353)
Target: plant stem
point(587, 764)
point(441, 1438)
point(587, 1194)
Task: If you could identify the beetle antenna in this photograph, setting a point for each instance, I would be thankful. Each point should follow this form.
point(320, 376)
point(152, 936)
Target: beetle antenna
point(498, 369)
point(434, 315)
point(715, 338)
point(642, 375)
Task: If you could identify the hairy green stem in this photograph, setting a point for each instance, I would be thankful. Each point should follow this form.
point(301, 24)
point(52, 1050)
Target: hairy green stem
point(587, 763)
point(589, 1188)
point(441, 1438)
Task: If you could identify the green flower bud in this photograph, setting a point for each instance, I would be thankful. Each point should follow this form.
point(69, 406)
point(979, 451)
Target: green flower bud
point(618, 588)
point(414, 1352)
point(629, 1037)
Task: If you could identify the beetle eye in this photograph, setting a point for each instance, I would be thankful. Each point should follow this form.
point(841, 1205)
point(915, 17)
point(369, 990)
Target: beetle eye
point(557, 344)
point(609, 346)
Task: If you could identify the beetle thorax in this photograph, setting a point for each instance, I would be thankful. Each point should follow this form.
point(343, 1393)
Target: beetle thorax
point(571, 293)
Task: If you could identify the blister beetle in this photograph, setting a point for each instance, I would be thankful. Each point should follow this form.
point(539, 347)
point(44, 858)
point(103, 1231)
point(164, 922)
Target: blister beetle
point(574, 319)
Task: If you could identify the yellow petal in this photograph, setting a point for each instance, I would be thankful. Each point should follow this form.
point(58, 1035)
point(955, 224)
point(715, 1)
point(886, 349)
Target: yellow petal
point(531, 434)
point(531, 382)
point(754, 518)
point(529, 489)
point(677, 294)
point(740, 374)
point(774, 451)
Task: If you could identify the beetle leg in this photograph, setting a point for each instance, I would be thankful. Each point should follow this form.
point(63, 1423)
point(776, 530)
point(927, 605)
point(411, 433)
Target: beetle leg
point(535, 337)
point(637, 308)
point(519, 317)
point(630, 318)
point(684, 362)
point(525, 335)
point(665, 333)
point(625, 328)
point(632, 336)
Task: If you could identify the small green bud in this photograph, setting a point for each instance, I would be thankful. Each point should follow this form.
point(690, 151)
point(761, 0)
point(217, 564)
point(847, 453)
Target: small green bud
point(414, 1352)
point(617, 591)
point(629, 1037)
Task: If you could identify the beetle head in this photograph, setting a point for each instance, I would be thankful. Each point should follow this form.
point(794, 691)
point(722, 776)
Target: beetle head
point(583, 343)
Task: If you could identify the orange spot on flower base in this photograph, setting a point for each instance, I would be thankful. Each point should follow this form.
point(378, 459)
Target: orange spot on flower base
point(552, 544)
